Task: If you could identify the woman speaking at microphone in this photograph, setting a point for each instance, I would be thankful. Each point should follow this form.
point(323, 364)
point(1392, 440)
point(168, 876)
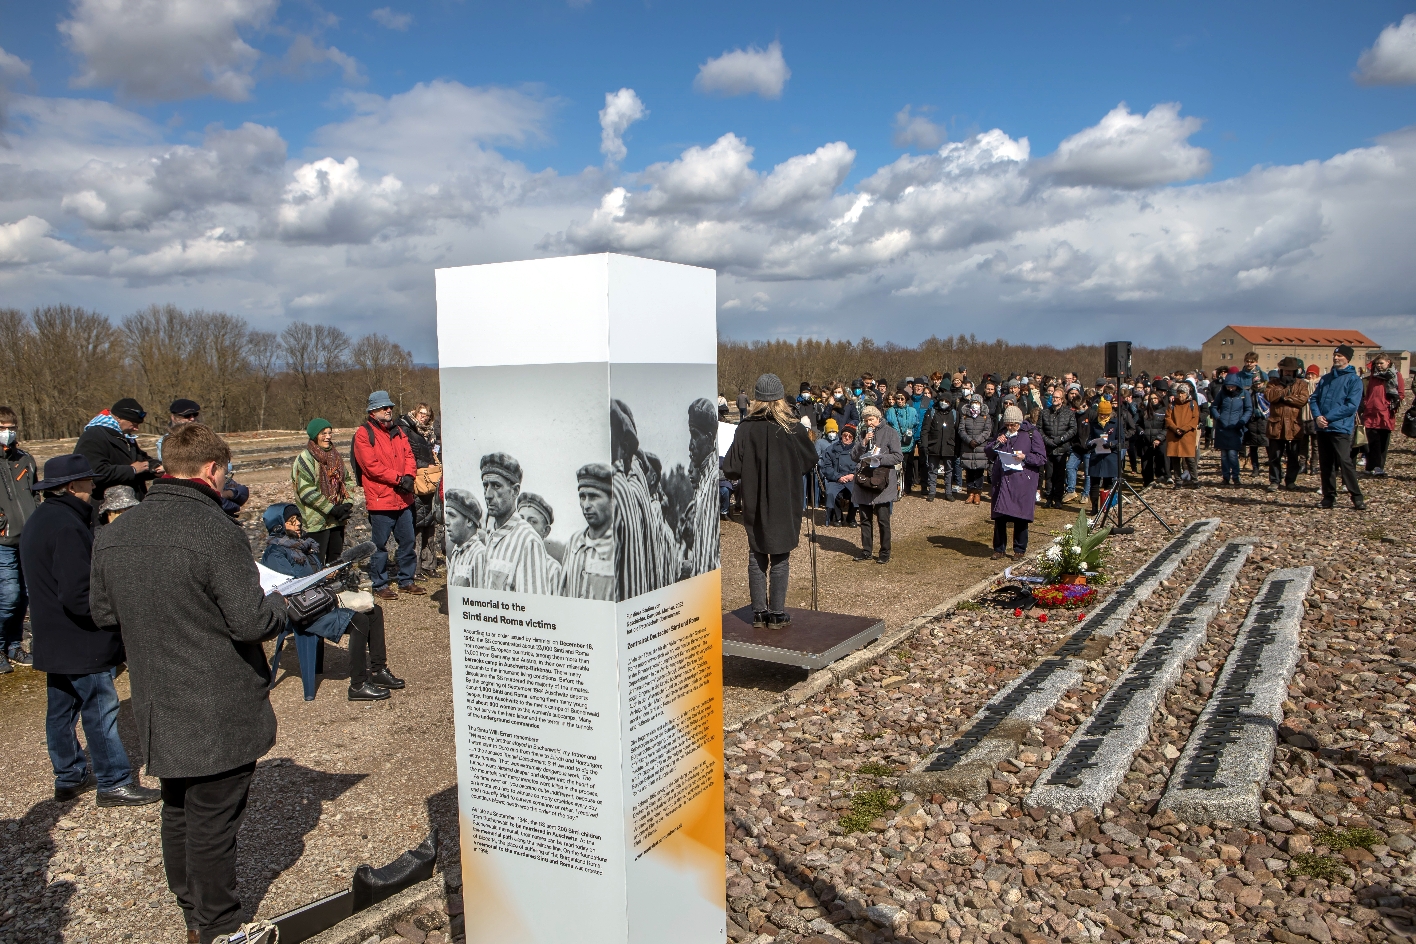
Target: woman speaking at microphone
point(770, 454)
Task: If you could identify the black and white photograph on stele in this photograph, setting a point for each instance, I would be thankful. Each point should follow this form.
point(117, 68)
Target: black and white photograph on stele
point(552, 513)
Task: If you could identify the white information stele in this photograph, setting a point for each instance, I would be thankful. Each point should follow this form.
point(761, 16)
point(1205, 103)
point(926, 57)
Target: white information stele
point(580, 474)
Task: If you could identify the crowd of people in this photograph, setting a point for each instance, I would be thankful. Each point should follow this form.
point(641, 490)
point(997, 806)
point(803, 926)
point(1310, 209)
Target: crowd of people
point(1031, 439)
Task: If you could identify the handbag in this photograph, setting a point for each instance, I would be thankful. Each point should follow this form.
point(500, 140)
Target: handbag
point(1408, 423)
point(427, 480)
point(310, 604)
point(873, 479)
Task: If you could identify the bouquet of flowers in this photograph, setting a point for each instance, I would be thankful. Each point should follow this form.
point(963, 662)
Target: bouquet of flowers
point(1067, 596)
point(1074, 553)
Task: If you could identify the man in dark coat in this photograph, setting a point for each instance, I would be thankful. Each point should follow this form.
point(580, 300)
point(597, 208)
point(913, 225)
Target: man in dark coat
point(176, 574)
point(1058, 425)
point(77, 655)
point(770, 454)
point(111, 447)
point(938, 437)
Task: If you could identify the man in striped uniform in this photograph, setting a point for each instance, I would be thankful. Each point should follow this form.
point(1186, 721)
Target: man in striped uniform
point(463, 525)
point(538, 514)
point(516, 558)
point(589, 572)
point(640, 562)
point(703, 461)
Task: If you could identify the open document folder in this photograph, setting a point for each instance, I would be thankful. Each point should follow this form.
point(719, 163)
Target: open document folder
point(272, 582)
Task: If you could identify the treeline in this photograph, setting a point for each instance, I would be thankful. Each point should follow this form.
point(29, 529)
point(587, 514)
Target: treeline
point(61, 365)
point(741, 362)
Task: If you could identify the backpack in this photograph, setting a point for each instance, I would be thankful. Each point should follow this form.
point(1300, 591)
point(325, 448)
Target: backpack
point(353, 458)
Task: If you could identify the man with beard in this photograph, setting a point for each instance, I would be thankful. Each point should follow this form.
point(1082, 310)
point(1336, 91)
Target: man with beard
point(638, 528)
point(516, 557)
point(703, 472)
point(589, 572)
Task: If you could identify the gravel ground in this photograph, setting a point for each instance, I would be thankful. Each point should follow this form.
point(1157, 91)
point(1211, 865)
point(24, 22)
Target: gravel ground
point(352, 783)
point(930, 868)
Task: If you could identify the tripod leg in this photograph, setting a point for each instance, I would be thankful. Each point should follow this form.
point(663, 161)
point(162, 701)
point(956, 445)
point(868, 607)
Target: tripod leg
point(1145, 504)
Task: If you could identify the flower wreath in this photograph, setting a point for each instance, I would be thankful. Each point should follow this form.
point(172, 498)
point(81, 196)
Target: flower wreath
point(1064, 595)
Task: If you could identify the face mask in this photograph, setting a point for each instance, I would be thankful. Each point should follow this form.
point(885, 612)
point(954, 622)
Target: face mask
point(974, 409)
point(857, 391)
point(831, 437)
point(8, 437)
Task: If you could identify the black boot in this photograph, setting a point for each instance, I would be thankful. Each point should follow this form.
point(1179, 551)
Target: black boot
point(367, 692)
point(759, 619)
point(862, 555)
point(778, 620)
point(384, 678)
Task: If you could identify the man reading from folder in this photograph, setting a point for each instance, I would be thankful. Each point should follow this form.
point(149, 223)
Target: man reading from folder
point(175, 575)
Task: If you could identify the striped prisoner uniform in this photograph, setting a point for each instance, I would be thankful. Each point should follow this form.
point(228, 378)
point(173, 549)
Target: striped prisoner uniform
point(705, 518)
point(516, 559)
point(462, 563)
point(589, 572)
point(638, 528)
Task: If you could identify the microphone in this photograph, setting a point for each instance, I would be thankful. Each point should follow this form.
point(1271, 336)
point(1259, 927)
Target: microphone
point(358, 552)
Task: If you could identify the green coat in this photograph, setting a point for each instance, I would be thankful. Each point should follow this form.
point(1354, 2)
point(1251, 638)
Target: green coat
point(314, 506)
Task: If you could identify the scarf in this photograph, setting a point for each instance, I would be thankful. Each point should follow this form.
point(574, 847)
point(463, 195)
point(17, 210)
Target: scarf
point(107, 419)
point(331, 477)
point(300, 549)
point(426, 431)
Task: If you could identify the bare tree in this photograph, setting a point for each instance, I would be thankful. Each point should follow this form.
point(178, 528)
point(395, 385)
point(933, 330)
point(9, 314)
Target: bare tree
point(381, 364)
point(77, 369)
point(264, 358)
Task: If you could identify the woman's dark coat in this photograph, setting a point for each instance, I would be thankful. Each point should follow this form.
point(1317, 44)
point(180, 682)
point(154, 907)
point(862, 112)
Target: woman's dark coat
point(769, 463)
point(176, 574)
point(56, 548)
point(422, 449)
point(890, 456)
point(940, 432)
point(974, 433)
point(1103, 465)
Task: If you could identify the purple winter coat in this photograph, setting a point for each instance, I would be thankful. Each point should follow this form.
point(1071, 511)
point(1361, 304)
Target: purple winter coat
point(1015, 493)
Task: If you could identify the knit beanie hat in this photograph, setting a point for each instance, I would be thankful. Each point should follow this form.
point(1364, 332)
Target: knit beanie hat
point(1012, 415)
point(769, 387)
point(831, 426)
point(1103, 409)
point(316, 426)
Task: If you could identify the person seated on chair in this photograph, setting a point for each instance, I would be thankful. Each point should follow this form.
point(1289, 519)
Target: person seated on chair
point(288, 551)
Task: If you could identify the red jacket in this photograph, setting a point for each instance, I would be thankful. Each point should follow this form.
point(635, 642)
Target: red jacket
point(381, 465)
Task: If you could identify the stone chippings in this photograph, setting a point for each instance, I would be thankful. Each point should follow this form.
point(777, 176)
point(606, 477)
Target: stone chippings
point(1087, 771)
point(961, 768)
point(1251, 690)
point(996, 869)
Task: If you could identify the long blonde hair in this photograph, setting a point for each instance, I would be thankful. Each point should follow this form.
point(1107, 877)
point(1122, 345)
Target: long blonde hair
point(779, 410)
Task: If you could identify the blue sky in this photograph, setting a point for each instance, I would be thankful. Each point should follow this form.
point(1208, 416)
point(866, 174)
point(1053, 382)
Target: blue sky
point(476, 129)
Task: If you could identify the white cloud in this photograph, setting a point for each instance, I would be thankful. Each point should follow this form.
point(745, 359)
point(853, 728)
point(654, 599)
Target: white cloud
point(12, 66)
point(750, 71)
point(437, 130)
point(307, 51)
point(27, 241)
point(213, 251)
point(917, 131)
point(239, 168)
point(1392, 58)
point(387, 18)
point(622, 109)
point(1131, 151)
point(163, 50)
point(330, 202)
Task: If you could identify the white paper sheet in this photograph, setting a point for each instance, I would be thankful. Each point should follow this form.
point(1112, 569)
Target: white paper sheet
point(272, 582)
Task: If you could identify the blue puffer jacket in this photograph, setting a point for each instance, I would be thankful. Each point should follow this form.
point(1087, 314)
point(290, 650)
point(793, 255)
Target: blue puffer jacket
point(287, 560)
point(1231, 413)
point(1337, 397)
